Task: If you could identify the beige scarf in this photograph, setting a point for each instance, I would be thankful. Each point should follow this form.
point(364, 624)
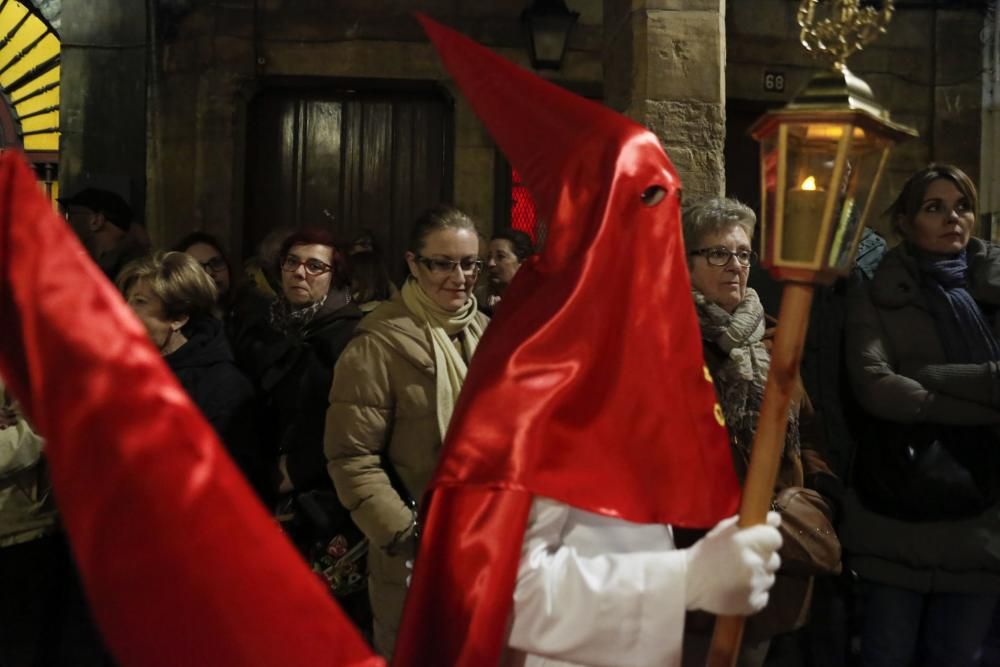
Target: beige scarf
point(450, 367)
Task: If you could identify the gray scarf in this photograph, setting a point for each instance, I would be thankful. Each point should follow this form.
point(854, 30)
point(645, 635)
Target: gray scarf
point(289, 320)
point(742, 374)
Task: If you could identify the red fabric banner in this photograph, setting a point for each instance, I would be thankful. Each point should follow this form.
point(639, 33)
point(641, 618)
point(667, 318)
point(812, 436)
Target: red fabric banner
point(180, 562)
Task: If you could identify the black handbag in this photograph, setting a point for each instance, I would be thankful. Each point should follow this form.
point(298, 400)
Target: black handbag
point(926, 472)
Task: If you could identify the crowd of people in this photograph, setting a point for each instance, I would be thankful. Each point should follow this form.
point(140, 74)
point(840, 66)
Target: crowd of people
point(332, 389)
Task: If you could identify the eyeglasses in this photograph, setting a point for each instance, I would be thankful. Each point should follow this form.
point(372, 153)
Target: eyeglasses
point(445, 266)
point(214, 265)
point(314, 267)
point(719, 256)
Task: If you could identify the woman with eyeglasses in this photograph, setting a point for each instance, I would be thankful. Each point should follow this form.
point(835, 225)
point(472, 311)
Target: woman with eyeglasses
point(291, 352)
point(394, 390)
point(717, 233)
point(237, 301)
point(207, 251)
point(922, 520)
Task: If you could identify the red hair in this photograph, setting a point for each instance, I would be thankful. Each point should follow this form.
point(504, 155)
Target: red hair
point(340, 277)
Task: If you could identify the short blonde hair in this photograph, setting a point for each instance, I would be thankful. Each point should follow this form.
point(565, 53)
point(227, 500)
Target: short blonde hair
point(712, 215)
point(176, 279)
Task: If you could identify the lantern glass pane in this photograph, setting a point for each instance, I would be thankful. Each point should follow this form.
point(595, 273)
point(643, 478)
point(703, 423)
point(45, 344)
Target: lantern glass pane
point(808, 176)
point(859, 178)
point(769, 183)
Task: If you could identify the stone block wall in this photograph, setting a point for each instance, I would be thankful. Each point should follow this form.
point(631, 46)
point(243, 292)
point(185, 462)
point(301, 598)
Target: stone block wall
point(664, 67)
point(925, 70)
point(177, 131)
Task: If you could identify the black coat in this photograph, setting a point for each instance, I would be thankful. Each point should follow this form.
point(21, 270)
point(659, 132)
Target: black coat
point(892, 341)
point(293, 374)
point(205, 367)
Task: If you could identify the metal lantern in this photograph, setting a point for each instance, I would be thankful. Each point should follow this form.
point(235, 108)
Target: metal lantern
point(549, 24)
point(821, 160)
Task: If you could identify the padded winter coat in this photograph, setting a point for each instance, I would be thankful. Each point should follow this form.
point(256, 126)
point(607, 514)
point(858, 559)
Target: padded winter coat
point(382, 444)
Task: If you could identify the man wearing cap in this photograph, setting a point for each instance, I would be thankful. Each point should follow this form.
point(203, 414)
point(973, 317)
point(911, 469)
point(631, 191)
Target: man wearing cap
point(102, 220)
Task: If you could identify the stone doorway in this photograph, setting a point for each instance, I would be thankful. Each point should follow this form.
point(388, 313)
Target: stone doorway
point(347, 159)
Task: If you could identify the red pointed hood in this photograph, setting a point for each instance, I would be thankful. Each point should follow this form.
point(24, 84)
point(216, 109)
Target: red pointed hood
point(589, 386)
point(181, 564)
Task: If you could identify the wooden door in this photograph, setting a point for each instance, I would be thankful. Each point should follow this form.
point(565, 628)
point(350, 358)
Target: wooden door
point(349, 160)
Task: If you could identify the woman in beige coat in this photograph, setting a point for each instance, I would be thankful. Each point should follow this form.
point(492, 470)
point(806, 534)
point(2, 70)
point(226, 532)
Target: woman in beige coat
point(394, 389)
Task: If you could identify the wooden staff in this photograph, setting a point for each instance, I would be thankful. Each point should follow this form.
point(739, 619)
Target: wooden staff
point(768, 443)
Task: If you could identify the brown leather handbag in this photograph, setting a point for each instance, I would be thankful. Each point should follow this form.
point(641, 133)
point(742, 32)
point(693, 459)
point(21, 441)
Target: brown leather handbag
point(810, 546)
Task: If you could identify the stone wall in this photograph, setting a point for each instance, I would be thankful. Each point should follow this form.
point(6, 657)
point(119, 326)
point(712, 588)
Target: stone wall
point(664, 64)
point(925, 70)
point(673, 65)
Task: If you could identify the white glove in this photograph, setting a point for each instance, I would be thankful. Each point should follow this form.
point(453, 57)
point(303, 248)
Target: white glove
point(731, 570)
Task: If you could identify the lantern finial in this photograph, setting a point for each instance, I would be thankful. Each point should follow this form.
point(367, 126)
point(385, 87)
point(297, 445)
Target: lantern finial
point(846, 29)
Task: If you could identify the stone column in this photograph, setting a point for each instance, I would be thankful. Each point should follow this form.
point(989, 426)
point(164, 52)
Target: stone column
point(664, 66)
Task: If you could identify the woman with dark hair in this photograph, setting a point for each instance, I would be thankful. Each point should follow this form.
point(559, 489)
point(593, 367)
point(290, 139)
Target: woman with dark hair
point(291, 353)
point(364, 241)
point(237, 300)
point(207, 251)
point(393, 393)
point(370, 282)
point(508, 249)
point(923, 356)
point(175, 299)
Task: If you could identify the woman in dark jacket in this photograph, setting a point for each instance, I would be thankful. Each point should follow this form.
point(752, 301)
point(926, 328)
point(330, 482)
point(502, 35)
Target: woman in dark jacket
point(923, 357)
point(292, 353)
point(175, 299)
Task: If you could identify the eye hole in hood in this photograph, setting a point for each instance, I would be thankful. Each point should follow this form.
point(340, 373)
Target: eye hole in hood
point(653, 195)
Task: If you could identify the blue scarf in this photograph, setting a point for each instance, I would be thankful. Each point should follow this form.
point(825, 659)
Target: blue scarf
point(965, 334)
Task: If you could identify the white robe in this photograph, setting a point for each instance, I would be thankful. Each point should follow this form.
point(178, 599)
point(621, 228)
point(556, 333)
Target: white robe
point(596, 591)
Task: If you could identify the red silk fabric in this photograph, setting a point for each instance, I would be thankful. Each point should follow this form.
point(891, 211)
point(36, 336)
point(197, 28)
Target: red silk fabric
point(180, 562)
point(589, 386)
point(459, 599)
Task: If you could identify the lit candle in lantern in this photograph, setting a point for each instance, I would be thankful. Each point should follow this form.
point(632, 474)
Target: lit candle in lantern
point(803, 214)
